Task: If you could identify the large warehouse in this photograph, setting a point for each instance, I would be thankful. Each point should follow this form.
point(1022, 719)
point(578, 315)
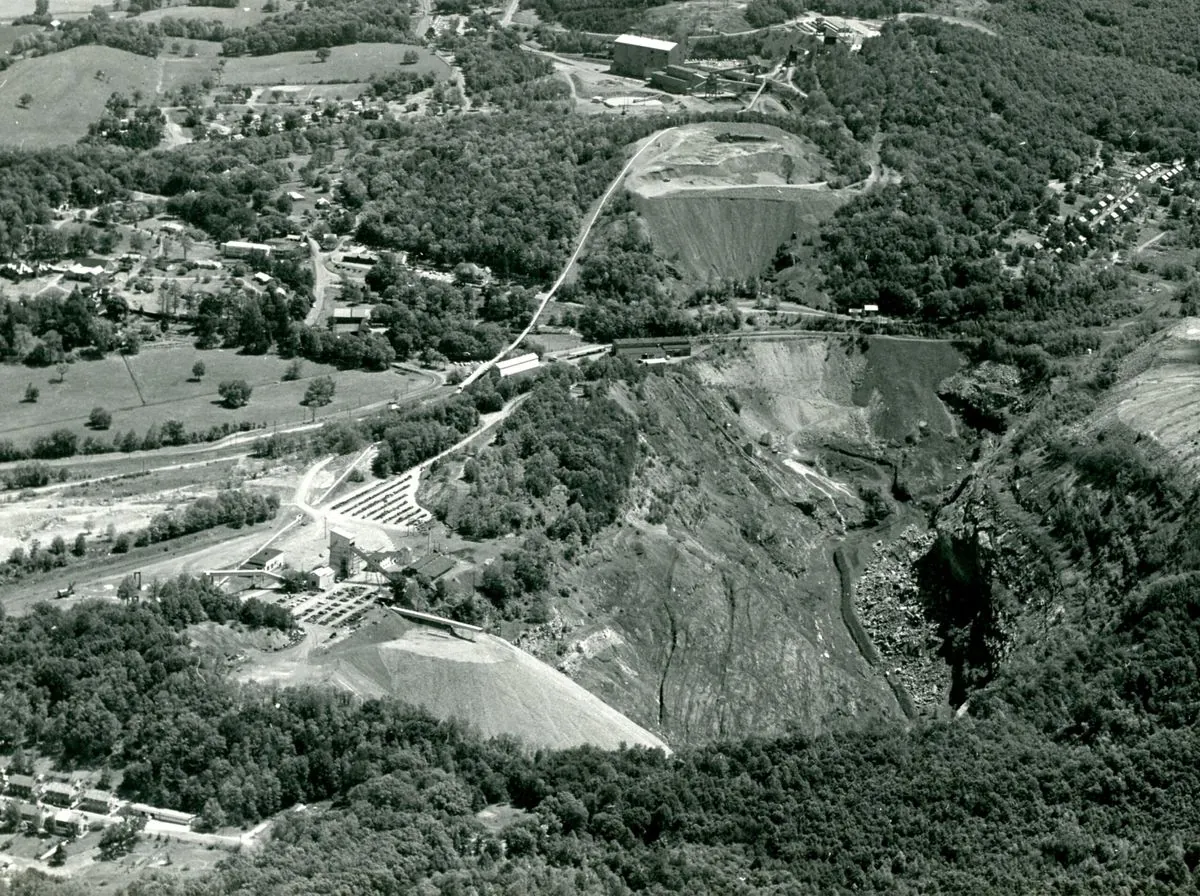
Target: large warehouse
point(637, 57)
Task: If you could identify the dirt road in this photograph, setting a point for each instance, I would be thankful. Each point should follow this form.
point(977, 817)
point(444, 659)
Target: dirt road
point(584, 232)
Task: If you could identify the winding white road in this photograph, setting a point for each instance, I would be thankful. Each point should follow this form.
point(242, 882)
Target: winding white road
point(584, 233)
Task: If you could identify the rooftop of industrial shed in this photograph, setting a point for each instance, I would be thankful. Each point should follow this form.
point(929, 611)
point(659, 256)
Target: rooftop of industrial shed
point(650, 43)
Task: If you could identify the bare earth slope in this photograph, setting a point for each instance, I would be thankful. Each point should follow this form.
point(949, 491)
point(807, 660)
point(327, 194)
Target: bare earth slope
point(1162, 398)
point(487, 683)
point(713, 609)
point(721, 208)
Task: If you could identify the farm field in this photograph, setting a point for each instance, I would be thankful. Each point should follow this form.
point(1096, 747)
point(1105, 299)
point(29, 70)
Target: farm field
point(11, 9)
point(10, 33)
point(236, 17)
point(68, 95)
point(346, 65)
point(162, 375)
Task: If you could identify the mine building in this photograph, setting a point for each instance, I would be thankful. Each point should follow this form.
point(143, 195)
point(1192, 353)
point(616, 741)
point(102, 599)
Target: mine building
point(637, 57)
point(653, 349)
point(321, 578)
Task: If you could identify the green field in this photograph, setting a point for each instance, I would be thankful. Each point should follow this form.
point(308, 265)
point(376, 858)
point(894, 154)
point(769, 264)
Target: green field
point(163, 376)
point(346, 65)
point(236, 17)
point(68, 95)
point(10, 33)
point(10, 9)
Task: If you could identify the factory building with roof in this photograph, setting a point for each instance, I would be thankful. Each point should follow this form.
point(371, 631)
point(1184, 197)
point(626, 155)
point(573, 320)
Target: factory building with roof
point(637, 57)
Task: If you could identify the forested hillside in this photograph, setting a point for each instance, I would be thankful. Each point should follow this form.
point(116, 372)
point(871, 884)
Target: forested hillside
point(1062, 588)
point(978, 126)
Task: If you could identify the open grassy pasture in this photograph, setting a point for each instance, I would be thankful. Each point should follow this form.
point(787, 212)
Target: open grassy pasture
point(245, 16)
point(10, 9)
point(68, 95)
point(10, 33)
point(157, 385)
point(346, 65)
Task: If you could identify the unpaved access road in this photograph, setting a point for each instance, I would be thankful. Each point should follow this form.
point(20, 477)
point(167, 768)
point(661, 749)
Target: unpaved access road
point(584, 233)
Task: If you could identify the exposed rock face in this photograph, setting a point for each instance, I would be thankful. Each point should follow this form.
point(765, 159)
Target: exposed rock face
point(989, 568)
point(714, 609)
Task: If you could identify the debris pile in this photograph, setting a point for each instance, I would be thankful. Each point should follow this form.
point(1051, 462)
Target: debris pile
point(889, 604)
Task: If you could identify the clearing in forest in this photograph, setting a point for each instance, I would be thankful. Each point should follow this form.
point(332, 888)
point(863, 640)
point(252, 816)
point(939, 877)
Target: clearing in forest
point(68, 90)
point(345, 65)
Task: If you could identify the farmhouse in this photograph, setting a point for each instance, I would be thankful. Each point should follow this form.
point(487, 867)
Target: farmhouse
point(287, 248)
point(636, 56)
point(241, 249)
point(31, 816)
point(86, 268)
point(349, 317)
point(646, 349)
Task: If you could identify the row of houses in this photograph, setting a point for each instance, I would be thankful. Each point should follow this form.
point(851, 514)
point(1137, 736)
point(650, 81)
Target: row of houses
point(60, 794)
point(64, 822)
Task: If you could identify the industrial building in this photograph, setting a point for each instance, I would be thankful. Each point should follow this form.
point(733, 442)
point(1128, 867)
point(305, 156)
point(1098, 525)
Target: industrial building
point(519, 364)
point(344, 556)
point(321, 578)
point(241, 249)
point(637, 57)
point(677, 79)
point(653, 349)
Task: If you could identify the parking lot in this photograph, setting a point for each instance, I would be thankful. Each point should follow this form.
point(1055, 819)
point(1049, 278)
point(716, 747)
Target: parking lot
point(344, 606)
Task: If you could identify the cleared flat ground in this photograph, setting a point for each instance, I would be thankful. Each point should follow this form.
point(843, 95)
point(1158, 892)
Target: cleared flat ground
point(10, 9)
point(156, 385)
point(719, 155)
point(721, 208)
point(696, 17)
point(10, 33)
point(68, 95)
point(346, 65)
point(488, 683)
point(237, 17)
